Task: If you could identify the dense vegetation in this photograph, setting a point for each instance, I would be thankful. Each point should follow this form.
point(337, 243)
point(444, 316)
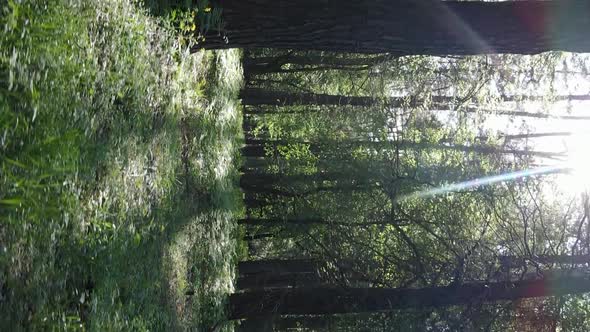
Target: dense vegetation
point(351, 173)
point(117, 158)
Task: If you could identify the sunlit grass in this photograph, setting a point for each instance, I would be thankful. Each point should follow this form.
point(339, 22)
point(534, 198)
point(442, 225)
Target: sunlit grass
point(117, 159)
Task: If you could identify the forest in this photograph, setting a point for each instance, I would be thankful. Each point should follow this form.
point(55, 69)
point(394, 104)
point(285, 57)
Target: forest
point(298, 165)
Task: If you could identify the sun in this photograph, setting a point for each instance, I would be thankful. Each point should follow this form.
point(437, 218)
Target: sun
point(577, 163)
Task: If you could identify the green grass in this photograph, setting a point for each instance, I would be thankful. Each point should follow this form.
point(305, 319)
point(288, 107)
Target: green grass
point(118, 155)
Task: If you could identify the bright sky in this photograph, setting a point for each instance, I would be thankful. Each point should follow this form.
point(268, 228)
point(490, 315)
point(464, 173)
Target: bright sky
point(576, 145)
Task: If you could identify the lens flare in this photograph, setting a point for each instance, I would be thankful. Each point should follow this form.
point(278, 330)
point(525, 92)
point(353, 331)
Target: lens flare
point(454, 187)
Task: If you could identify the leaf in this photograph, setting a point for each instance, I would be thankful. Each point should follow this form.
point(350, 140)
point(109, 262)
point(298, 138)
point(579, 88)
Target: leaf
point(14, 202)
point(15, 163)
point(137, 239)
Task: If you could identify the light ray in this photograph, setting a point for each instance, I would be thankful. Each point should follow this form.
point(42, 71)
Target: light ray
point(454, 187)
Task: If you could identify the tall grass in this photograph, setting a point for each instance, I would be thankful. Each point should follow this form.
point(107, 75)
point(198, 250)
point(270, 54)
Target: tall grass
point(115, 145)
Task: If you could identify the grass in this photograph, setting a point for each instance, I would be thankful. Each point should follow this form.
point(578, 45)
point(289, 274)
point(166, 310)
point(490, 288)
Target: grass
point(118, 153)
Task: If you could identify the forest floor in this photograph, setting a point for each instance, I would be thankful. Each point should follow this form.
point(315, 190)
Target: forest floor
point(118, 163)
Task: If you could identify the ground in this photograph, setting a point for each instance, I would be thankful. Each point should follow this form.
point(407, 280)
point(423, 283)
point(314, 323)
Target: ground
point(118, 155)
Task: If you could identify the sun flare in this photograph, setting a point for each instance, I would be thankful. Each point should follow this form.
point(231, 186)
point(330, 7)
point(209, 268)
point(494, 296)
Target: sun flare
point(577, 163)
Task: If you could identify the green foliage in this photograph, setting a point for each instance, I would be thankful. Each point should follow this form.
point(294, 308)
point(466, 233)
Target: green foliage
point(193, 20)
point(107, 140)
point(345, 177)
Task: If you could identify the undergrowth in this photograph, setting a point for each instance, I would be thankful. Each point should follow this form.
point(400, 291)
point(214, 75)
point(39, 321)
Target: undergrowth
point(117, 160)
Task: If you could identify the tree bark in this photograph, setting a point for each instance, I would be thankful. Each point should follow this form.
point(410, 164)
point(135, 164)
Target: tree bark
point(309, 63)
point(406, 27)
point(278, 280)
point(322, 301)
point(518, 114)
point(259, 96)
point(317, 60)
point(317, 221)
point(509, 137)
point(293, 323)
point(258, 148)
point(249, 180)
point(250, 237)
point(277, 266)
point(514, 261)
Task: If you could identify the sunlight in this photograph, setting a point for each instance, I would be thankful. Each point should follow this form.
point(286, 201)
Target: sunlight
point(484, 181)
point(577, 180)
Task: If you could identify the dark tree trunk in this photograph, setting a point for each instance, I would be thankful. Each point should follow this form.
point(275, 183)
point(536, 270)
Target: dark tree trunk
point(305, 323)
point(257, 148)
point(278, 280)
point(280, 222)
point(293, 323)
point(259, 324)
point(406, 27)
point(259, 96)
point(316, 221)
point(277, 266)
point(338, 188)
point(260, 110)
point(264, 180)
point(309, 63)
point(318, 60)
point(514, 261)
point(250, 237)
point(528, 136)
point(522, 114)
point(321, 301)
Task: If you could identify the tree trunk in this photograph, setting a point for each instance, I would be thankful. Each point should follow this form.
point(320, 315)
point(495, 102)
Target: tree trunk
point(293, 323)
point(260, 96)
point(338, 188)
point(278, 280)
point(322, 301)
point(522, 114)
point(305, 323)
point(250, 237)
point(316, 221)
point(258, 149)
point(514, 261)
point(526, 136)
point(264, 180)
point(406, 27)
point(258, 324)
point(308, 63)
point(317, 60)
point(277, 266)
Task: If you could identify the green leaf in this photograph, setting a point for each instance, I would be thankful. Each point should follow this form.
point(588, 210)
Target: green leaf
point(13, 202)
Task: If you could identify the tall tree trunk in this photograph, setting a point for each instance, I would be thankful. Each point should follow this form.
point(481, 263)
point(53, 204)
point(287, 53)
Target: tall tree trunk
point(279, 280)
point(264, 180)
point(406, 27)
point(250, 237)
point(258, 148)
point(277, 266)
point(321, 301)
point(509, 137)
point(317, 221)
point(317, 60)
point(293, 323)
point(337, 188)
point(305, 323)
point(260, 96)
point(309, 63)
point(522, 114)
point(514, 261)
